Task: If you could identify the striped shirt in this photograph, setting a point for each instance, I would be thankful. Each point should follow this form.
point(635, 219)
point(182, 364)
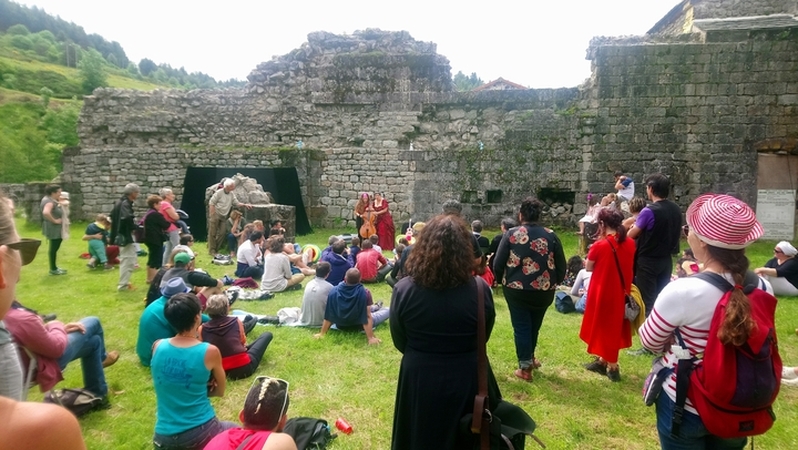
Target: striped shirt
point(687, 304)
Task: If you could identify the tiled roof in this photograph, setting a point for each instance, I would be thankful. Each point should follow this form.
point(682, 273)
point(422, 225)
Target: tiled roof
point(496, 82)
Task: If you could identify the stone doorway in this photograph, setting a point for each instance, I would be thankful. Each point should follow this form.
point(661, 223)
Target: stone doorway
point(282, 183)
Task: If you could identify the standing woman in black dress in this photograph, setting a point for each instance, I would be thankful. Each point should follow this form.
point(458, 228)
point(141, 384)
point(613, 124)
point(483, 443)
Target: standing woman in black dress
point(434, 324)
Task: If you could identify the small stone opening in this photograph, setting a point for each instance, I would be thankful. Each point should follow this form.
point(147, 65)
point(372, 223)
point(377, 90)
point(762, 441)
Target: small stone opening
point(494, 196)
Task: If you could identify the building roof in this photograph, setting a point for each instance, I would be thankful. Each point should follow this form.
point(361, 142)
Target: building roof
point(498, 82)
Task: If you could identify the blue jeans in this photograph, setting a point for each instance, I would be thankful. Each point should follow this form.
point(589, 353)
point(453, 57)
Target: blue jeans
point(581, 304)
point(693, 435)
point(527, 309)
point(90, 348)
point(377, 317)
point(194, 438)
point(232, 243)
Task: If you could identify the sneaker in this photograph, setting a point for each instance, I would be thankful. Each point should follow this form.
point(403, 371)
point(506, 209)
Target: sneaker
point(111, 359)
point(232, 295)
point(56, 272)
point(640, 352)
point(61, 271)
point(269, 319)
point(141, 253)
point(614, 375)
point(227, 281)
point(108, 266)
point(793, 382)
point(92, 263)
point(788, 373)
point(597, 366)
point(128, 287)
point(295, 287)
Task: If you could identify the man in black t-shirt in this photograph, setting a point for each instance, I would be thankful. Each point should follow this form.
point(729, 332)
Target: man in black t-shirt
point(657, 231)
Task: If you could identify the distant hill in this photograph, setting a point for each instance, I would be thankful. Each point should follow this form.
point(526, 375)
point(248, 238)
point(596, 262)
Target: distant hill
point(31, 34)
point(47, 65)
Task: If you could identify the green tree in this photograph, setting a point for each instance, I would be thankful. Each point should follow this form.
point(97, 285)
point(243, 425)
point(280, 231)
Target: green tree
point(147, 66)
point(61, 125)
point(465, 83)
point(132, 69)
point(21, 42)
point(92, 71)
point(18, 30)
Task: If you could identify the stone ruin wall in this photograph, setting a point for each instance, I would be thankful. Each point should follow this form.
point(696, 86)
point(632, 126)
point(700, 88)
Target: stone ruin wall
point(694, 110)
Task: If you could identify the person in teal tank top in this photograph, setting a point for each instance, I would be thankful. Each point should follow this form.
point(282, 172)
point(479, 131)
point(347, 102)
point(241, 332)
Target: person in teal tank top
point(186, 372)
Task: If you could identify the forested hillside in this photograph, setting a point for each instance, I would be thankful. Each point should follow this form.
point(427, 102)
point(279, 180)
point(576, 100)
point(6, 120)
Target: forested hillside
point(47, 65)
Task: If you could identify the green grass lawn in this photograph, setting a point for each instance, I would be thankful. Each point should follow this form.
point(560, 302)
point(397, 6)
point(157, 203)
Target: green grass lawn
point(341, 376)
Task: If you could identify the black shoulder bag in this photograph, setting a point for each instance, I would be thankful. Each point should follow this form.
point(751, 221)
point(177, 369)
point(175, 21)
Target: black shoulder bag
point(506, 425)
point(632, 309)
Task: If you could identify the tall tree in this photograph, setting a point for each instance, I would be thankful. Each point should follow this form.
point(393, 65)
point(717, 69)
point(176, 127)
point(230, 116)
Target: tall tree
point(92, 71)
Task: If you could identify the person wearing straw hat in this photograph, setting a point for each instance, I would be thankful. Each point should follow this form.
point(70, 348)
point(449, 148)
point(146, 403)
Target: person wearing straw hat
point(719, 228)
point(782, 270)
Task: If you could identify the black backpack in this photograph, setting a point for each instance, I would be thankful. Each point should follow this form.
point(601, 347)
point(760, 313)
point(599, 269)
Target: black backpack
point(309, 433)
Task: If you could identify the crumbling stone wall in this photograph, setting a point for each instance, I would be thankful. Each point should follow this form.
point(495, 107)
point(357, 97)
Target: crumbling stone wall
point(375, 112)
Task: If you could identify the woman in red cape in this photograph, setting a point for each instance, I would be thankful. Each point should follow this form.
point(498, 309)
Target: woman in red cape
point(384, 224)
point(604, 326)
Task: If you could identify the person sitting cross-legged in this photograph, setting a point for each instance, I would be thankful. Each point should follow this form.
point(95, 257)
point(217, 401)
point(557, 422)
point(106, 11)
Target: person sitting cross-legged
point(239, 360)
point(371, 263)
point(349, 307)
point(277, 275)
point(314, 300)
point(264, 416)
point(56, 344)
point(250, 257)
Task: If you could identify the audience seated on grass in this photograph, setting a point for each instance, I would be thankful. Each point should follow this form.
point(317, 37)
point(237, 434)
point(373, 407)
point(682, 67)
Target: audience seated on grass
point(264, 417)
point(185, 373)
point(277, 275)
point(314, 302)
point(239, 360)
point(372, 264)
point(782, 270)
point(204, 283)
point(97, 236)
point(154, 291)
point(350, 307)
point(186, 242)
point(250, 257)
point(338, 261)
point(56, 344)
point(153, 324)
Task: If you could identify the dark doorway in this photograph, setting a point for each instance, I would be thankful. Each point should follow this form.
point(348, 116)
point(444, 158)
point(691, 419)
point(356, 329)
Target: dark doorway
point(282, 183)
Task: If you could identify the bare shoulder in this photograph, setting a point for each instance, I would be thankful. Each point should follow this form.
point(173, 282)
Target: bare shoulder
point(279, 441)
point(40, 426)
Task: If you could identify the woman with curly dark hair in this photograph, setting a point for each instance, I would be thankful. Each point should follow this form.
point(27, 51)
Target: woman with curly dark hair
point(605, 330)
point(529, 263)
point(433, 322)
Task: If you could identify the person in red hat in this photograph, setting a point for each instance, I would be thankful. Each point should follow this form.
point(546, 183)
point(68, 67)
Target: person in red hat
point(719, 227)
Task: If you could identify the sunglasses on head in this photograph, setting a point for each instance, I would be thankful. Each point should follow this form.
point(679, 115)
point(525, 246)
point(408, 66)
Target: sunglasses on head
point(27, 249)
point(259, 381)
point(686, 230)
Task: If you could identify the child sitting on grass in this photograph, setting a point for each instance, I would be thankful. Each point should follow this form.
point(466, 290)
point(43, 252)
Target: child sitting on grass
point(97, 235)
point(263, 416)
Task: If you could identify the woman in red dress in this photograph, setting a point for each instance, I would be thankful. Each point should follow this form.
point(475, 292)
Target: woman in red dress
point(604, 326)
point(384, 223)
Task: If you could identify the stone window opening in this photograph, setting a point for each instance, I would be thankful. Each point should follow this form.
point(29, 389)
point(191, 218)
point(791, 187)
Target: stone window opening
point(493, 196)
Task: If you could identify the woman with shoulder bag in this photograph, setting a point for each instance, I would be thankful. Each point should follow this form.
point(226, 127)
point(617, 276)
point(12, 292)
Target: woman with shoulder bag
point(434, 325)
point(719, 228)
point(605, 329)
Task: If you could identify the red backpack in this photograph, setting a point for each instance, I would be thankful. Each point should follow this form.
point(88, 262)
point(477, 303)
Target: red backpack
point(734, 388)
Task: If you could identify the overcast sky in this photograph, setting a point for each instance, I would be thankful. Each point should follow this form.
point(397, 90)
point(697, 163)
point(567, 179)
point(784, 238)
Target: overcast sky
point(540, 44)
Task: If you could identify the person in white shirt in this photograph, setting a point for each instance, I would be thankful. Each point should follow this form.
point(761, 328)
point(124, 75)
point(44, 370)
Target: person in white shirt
point(250, 257)
point(625, 187)
point(719, 228)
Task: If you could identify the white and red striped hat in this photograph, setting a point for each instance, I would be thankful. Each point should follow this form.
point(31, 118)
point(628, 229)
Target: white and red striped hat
point(723, 221)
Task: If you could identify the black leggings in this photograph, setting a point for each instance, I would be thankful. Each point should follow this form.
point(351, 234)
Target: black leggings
point(255, 351)
point(55, 244)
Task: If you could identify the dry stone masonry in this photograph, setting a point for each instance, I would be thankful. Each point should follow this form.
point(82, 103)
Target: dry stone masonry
point(375, 111)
